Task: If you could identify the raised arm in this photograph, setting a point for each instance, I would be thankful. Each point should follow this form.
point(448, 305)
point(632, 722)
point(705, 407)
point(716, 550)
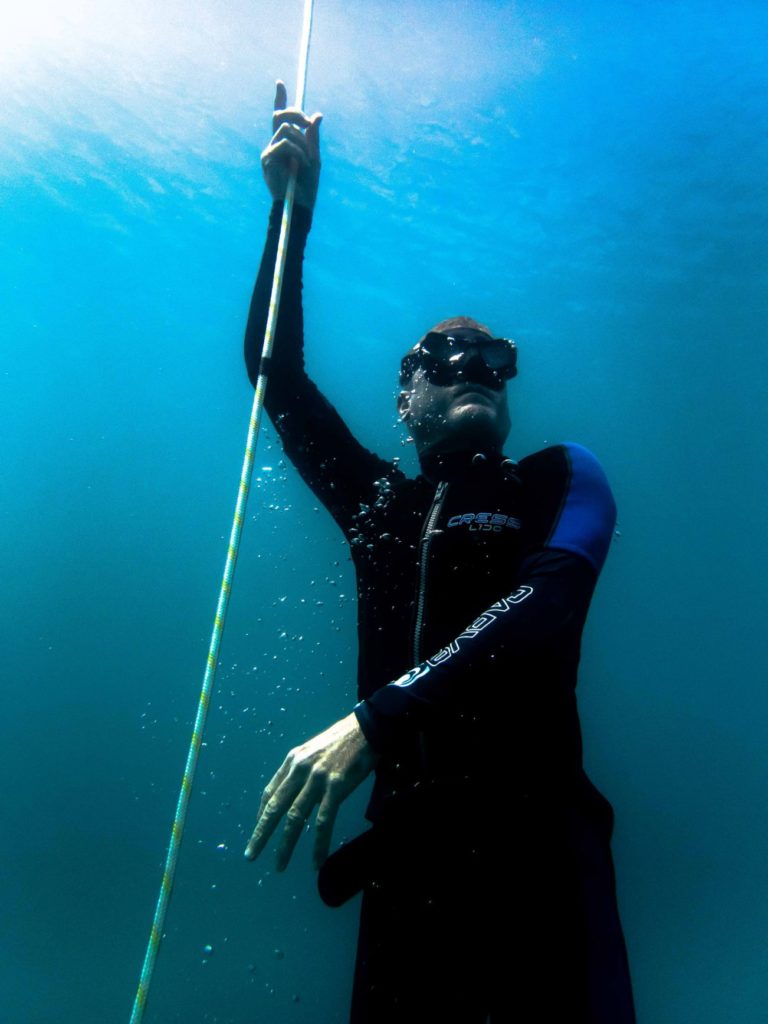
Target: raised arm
point(340, 471)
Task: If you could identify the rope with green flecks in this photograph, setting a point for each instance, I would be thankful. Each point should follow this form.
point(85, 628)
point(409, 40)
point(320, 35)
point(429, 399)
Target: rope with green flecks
point(179, 820)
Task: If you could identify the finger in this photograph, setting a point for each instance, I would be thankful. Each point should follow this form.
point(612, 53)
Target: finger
point(281, 95)
point(292, 134)
point(292, 115)
point(266, 796)
point(275, 782)
point(326, 819)
point(265, 826)
point(297, 816)
point(284, 152)
point(276, 798)
point(313, 137)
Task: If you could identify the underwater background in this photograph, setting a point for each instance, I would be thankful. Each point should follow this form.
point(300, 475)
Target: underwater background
point(589, 178)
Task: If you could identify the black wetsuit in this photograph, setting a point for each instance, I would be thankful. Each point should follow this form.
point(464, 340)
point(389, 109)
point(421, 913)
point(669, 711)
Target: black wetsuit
point(488, 883)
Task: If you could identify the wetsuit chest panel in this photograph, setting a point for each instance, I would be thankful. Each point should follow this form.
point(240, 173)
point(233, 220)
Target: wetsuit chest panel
point(385, 547)
point(474, 556)
point(419, 587)
point(471, 558)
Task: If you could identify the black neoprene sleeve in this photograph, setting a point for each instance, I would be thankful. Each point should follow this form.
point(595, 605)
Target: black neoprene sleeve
point(339, 470)
point(544, 613)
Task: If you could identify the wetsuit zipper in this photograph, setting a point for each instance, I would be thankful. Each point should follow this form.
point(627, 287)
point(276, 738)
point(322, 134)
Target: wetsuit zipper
point(424, 546)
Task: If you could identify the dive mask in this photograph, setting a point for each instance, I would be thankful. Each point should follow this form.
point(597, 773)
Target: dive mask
point(447, 359)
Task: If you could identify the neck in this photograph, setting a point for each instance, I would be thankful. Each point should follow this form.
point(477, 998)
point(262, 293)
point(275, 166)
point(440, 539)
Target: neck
point(441, 464)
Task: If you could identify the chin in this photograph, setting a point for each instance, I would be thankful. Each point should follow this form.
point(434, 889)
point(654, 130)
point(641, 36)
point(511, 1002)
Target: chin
point(475, 426)
point(474, 414)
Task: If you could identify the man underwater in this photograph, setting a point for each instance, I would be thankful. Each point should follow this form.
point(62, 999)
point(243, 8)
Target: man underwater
point(487, 876)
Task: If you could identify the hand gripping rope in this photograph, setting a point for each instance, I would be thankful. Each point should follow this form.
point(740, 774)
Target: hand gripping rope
point(226, 584)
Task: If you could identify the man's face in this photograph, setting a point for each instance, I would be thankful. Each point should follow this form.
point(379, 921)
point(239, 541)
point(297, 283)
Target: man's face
point(462, 414)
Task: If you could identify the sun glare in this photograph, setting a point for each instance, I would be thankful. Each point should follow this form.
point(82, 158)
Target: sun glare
point(29, 29)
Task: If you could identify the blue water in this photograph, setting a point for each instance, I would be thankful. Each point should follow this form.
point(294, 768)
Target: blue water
point(589, 178)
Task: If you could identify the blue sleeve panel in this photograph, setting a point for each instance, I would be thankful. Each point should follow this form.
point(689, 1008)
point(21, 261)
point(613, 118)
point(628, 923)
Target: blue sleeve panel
point(542, 616)
point(588, 515)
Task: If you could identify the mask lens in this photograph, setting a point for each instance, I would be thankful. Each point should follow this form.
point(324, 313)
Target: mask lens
point(440, 348)
point(500, 355)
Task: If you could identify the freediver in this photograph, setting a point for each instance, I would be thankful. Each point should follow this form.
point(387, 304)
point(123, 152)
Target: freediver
point(488, 887)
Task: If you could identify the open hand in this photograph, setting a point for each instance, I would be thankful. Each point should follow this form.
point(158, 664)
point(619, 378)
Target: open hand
point(294, 144)
point(324, 771)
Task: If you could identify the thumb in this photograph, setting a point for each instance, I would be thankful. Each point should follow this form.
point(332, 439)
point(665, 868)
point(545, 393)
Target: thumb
point(313, 135)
